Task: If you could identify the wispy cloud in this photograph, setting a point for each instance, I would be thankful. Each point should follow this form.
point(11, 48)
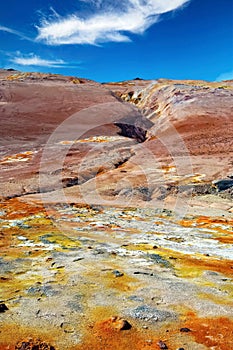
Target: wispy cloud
point(15, 32)
point(225, 76)
point(33, 60)
point(110, 22)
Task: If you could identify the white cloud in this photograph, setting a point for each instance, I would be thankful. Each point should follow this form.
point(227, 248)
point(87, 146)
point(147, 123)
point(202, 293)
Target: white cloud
point(112, 22)
point(225, 76)
point(33, 60)
point(15, 32)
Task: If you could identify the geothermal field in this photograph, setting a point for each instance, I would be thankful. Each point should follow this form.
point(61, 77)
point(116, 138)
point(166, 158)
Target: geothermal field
point(116, 213)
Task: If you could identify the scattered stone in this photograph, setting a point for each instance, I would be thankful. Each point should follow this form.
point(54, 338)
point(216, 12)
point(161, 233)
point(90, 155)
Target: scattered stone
point(185, 330)
point(3, 308)
point(117, 273)
point(2, 278)
point(142, 273)
point(77, 259)
point(162, 345)
point(33, 345)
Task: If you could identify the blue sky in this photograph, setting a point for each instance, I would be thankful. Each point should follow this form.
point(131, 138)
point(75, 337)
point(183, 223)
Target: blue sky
point(109, 40)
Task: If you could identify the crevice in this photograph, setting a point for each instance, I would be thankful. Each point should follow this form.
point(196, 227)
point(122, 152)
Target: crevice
point(132, 131)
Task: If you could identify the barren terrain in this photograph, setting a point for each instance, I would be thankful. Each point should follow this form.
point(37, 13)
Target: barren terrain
point(115, 214)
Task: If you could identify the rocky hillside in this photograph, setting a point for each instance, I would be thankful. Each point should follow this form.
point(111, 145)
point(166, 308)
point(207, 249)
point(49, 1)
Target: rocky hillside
point(115, 214)
point(146, 140)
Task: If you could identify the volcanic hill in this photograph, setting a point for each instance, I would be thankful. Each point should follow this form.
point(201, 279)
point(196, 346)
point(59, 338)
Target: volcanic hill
point(115, 213)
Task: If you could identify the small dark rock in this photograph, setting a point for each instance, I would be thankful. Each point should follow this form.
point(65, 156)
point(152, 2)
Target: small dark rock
point(125, 326)
point(185, 330)
point(162, 345)
point(117, 273)
point(142, 273)
point(3, 308)
point(4, 278)
point(77, 259)
point(181, 349)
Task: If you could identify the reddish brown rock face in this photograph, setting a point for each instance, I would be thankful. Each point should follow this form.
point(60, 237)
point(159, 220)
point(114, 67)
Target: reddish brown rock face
point(33, 106)
point(116, 199)
point(191, 140)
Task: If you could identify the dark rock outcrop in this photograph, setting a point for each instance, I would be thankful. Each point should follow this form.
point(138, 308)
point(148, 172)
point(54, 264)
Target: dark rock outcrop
point(223, 185)
point(132, 131)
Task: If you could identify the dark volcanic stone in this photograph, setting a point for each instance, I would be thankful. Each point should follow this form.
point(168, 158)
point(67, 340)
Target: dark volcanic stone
point(117, 273)
point(224, 184)
point(132, 131)
point(125, 325)
point(3, 308)
point(185, 330)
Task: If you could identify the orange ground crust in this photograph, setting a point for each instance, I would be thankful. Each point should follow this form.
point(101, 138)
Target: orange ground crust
point(102, 335)
point(187, 263)
point(212, 332)
point(17, 209)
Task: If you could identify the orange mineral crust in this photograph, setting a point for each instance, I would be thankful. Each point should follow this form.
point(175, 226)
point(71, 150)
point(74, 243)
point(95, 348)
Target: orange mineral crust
point(118, 333)
point(212, 332)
